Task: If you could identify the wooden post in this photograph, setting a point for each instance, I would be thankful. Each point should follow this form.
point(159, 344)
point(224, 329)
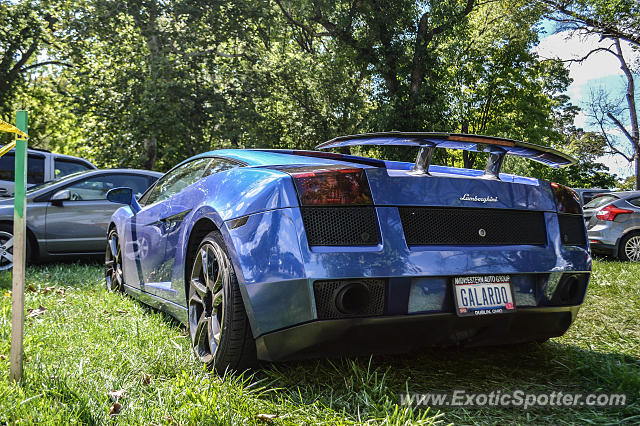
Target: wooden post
point(19, 250)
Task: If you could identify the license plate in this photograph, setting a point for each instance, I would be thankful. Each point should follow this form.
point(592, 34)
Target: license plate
point(483, 295)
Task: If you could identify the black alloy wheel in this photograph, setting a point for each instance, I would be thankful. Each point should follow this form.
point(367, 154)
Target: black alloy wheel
point(114, 278)
point(218, 324)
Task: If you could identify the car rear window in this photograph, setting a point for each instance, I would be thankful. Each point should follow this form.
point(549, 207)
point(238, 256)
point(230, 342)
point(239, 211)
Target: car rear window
point(600, 201)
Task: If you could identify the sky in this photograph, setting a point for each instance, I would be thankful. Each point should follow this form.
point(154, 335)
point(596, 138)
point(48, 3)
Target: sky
point(600, 70)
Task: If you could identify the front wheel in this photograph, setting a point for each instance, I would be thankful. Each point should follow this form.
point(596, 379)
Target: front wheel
point(630, 247)
point(113, 276)
point(6, 247)
point(218, 324)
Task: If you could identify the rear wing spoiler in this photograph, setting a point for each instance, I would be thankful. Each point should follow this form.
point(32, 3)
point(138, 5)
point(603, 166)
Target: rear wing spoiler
point(428, 141)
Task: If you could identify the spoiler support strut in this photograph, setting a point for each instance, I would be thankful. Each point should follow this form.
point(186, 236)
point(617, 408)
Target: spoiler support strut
point(494, 164)
point(423, 160)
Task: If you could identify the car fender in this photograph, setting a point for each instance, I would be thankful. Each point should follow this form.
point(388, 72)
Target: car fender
point(627, 231)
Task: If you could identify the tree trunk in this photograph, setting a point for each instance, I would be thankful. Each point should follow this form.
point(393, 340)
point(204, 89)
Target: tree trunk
point(630, 95)
point(151, 149)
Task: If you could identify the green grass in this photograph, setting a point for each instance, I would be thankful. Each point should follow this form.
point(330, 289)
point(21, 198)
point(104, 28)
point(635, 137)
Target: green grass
point(89, 342)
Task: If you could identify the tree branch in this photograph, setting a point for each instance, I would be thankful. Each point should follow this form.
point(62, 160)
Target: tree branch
point(620, 126)
point(40, 64)
point(601, 27)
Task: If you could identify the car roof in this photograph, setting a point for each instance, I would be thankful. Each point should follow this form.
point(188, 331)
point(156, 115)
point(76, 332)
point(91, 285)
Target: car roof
point(258, 157)
point(46, 152)
point(135, 171)
point(625, 194)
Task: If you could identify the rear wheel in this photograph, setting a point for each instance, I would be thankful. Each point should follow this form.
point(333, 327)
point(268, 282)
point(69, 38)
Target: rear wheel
point(113, 276)
point(218, 324)
point(630, 247)
point(6, 247)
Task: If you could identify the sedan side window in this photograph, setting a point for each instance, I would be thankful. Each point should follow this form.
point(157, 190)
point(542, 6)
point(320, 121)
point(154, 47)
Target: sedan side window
point(183, 176)
point(96, 188)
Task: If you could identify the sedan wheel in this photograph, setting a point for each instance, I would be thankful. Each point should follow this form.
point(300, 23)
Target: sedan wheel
point(218, 324)
point(631, 248)
point(7, 245)
point(6, 250)
point(113, 263)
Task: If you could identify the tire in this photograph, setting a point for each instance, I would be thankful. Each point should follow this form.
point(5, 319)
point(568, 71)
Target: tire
point(6, 247)
point(629, 249)
point(113, 272)
point(218, 324)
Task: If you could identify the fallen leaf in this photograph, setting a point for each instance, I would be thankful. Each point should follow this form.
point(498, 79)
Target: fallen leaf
point(61, 291)
point(47, 289)
point(31, 288)
point(146, 379)
point(27, 359)
point(116, 395)
point(266, 417)
point(47, 275)
point(36, 312)
point(115, 409)
point(3, 357)
point(121, 311)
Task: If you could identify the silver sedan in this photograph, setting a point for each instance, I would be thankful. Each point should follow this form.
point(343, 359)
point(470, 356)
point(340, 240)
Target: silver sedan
point(69, 217)
point(613, 224)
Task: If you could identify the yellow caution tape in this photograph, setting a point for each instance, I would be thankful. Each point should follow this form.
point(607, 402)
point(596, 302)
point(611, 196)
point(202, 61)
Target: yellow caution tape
point(8, 147)
point(6, 127)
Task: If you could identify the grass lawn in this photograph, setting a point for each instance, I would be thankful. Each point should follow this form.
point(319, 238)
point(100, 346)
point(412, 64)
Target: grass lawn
point(88, 343)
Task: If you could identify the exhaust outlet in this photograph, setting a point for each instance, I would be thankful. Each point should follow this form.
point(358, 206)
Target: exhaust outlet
point(571, 289)
point(352, 298)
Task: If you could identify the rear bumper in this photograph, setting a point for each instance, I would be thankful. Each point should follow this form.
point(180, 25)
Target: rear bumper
point(602, 248)
point(604, 236)
point(403, 333)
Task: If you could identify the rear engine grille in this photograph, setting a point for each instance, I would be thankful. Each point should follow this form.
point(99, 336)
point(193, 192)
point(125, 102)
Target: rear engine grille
point(341, 226)
point(572, 229)
point(326, 293)
point(468, 226)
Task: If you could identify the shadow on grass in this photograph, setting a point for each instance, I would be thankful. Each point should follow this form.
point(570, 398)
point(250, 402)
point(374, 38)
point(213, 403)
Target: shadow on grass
point(533, 368)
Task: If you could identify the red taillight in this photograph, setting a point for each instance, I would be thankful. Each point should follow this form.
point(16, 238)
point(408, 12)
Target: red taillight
point(332, 186)
point(610, 212)
point(567, 200)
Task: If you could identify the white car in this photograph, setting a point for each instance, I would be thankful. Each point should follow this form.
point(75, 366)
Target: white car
point(42, 166)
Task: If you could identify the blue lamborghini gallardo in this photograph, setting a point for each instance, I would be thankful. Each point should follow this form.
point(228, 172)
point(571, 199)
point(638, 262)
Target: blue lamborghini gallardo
point(281, 254)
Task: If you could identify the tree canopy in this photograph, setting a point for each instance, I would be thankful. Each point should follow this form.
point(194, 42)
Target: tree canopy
point(141, 83)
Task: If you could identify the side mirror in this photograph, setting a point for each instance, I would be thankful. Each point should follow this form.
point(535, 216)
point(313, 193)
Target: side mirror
point(124, 196)
point(60, 196)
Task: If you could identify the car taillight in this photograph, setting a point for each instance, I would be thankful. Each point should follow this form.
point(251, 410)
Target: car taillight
point(610, 213)
point(332, 186)
point(567, 200)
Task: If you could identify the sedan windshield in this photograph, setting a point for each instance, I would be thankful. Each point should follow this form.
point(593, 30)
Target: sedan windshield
point(55, 181)
point(600, 201)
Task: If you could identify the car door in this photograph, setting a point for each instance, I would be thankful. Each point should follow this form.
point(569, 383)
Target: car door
point(179, 206)
point(79, 225)
point(150, 228)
